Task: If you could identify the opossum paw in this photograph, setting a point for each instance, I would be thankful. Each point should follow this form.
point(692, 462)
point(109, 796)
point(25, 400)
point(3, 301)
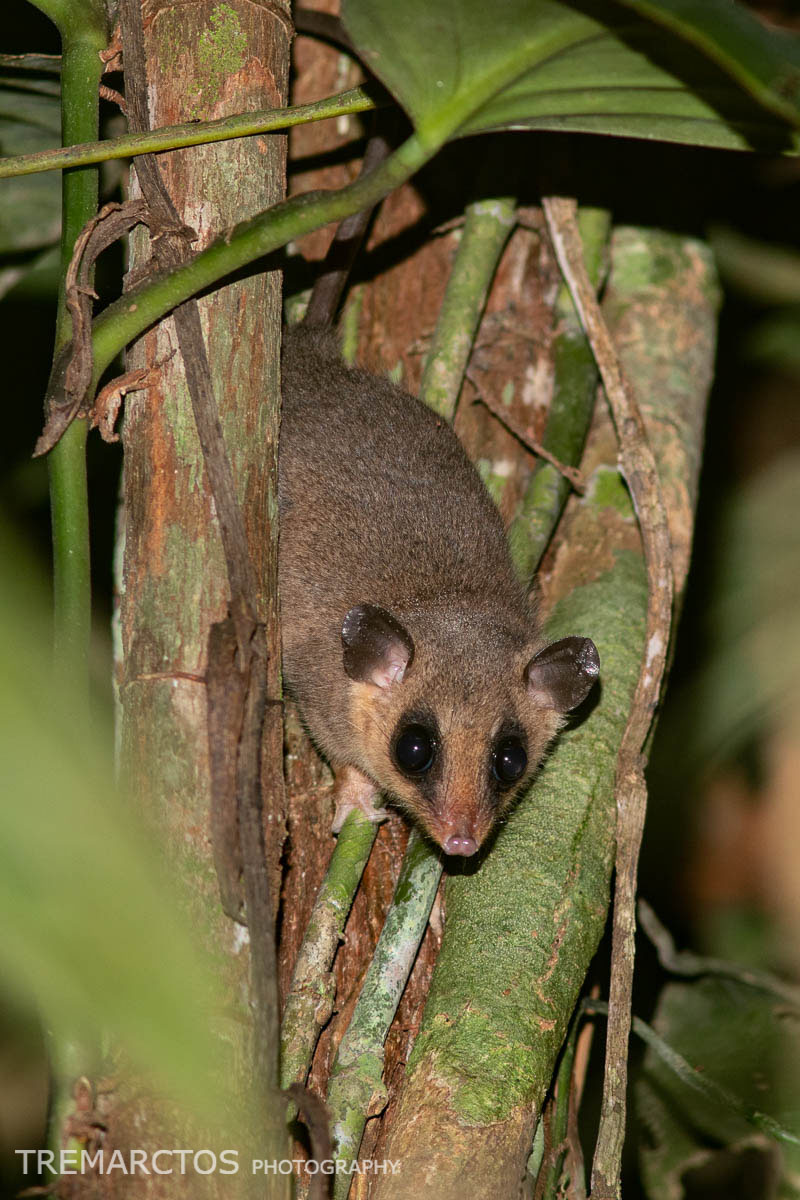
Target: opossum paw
point(352, 790)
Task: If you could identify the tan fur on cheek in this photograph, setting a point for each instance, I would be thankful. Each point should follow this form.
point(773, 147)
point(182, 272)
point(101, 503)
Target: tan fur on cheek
point(369, 716)
point(374, 712)
point(547, 724)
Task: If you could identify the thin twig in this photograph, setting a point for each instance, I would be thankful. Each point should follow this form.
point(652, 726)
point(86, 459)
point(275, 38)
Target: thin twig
point(322, 25)
point(684, 962)
point(112, 222)
point(572, 401)
point(49, 64)
point(309, 1004)
point(191, 133)
point(638, 467)
point(701, 1081)
point(571, 474)
point(330, 283)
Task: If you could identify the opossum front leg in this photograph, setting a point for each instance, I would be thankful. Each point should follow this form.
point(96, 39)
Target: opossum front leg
point(352, 790)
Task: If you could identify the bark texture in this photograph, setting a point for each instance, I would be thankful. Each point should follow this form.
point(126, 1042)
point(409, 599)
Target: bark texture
point(205, 60)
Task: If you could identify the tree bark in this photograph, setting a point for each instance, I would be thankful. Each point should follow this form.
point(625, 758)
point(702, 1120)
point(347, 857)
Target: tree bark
point(204, 60)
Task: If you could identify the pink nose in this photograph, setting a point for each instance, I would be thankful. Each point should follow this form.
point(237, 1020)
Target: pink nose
point(457, 844)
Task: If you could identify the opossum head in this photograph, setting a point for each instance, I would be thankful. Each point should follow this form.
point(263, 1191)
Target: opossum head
point(451, 712)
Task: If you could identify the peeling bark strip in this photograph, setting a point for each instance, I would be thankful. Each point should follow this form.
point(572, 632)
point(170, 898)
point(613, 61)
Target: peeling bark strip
point(105, 410)
point(314, 1114)
point(226, 703)
point(258, 903)
point(206, 60)
point(640, 472)
point(67, 397)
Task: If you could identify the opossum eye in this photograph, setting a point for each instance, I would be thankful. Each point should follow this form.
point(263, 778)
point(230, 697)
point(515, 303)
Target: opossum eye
point(414, 749)
point(509, 761)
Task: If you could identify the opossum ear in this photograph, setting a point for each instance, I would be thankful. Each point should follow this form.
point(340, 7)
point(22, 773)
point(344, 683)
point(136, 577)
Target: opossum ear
point(561, 675)
point(377, 649)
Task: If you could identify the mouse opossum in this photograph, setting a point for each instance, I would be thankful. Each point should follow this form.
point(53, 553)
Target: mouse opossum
point(408, 642)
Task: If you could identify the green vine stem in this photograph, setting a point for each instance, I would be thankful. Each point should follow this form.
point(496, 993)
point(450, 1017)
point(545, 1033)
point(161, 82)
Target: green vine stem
point(142, 306)
point(356, 1088)
point(176, 137)
point(310, 1000)
point(575, 380)
point(487, 226)
point(82, 25)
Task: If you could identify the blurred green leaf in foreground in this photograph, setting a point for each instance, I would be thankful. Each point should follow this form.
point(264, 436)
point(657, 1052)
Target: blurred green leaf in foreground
point(92, 928)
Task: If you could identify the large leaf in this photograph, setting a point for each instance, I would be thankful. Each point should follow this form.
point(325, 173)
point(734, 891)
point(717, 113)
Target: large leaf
point(92, 928)
point(30, 206)
point(752, 665)
point(765, 61)
point(744, 1041)
point(462, 66)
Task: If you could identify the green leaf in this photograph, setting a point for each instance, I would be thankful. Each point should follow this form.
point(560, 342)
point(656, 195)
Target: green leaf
point(30, 208)
point(462, 66)
point(774, 342)
point(92, 929)
point(752, 665)
point(759, 269)
point(765, 61)
point(743, 1045)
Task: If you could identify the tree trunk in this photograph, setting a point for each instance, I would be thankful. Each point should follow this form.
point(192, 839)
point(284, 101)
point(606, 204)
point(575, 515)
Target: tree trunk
point(204, 60)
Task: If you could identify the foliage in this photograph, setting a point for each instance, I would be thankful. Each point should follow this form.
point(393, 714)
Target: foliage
point(738, 1037)
point(582, 66)
point(30, 208)
point(93, 928)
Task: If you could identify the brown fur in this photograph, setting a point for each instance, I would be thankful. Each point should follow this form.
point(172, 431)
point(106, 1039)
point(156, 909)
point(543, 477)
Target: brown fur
point(380, 505)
